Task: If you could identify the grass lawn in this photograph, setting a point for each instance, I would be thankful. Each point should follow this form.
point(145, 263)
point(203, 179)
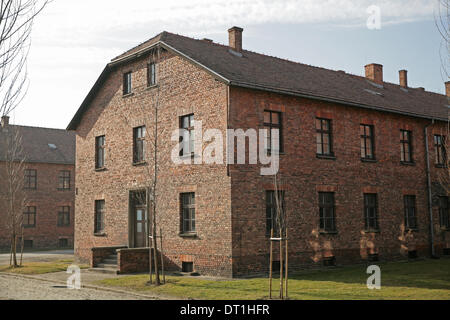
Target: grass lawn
point(40, 267)
point(429, 279)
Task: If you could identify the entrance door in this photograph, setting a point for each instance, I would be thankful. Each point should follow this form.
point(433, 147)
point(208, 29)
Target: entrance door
point(141, 227)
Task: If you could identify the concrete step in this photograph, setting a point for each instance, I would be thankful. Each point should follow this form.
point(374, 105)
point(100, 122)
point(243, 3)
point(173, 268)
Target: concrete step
point(107, 265)
point(104, 270)
point(110, 261)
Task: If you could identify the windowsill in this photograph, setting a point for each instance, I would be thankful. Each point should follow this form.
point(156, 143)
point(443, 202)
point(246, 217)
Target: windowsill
point(372, 231)
point(139, 164)
point(444, 229)
point(406, 163)
point(30, 189)
point(152, 86)
point(61, 189)
point(100, 234)
point(368, 160)
point(65, 226)
point(100, 169)
point(188, 235)
point(280, 153)
point(29, 227)
point(442, 166)
point(128, 95)
point(325, 157)
point(327, 232)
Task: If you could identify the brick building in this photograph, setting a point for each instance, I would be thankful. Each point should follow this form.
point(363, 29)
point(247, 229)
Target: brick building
point(354, 154)
point(49, 178)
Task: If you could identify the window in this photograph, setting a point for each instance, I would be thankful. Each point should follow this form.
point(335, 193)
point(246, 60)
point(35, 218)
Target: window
point(367, 142)
point(64, 217)
point(327, 212)
point(64, 180)
point(28, 244)
point(188, 212)
point(63, 243)
point(439, 146)
point(410, 212)
point(444, 213)
point(272, 212)
point(324, 137)
point(99, 216)
point(127, 83)
point(405, 146)
point(273, 121)
point(139, 144)
point(30, 179)
point(151, 74)
point(29, 217)
point(187, 125)
point(371, 212)
point(100, 152)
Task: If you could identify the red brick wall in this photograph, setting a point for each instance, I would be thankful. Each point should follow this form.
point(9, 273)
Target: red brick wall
point(347, 176)
point(184, 89)
point(47, 199)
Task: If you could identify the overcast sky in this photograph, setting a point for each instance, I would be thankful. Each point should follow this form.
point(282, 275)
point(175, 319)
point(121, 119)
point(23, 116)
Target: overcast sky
point(74, 39)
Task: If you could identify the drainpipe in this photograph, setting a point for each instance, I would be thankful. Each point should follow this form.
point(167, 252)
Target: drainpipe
point(430, 201)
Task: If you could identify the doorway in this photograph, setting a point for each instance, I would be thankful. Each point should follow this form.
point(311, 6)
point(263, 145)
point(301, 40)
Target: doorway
point(139, 221)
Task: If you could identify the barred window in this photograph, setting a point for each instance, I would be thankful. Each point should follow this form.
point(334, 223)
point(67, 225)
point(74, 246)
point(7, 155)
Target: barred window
point(371, 212)
point(64, 180)
point(324, 137)
point(410, 212)
point(188, 213)
point(273, 121)
point(100, 152)
point(64, 216)
point(139, 144)
point(327, 221)
point(188, 139)
point(406, 146)
point(439, 146)
point(444, 212)
point(99, 216)
point(127, 83)
point(151, 74)
point(29, 217)
point(367, 142)
point(30, 179)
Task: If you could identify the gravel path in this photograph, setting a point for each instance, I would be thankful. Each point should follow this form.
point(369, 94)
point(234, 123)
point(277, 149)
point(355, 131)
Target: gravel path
point(17, 288)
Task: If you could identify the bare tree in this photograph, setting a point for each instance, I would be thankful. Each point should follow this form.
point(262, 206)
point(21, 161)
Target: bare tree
point(16, 21)
point(149, 154)
point(12, 195)
point(442, 20)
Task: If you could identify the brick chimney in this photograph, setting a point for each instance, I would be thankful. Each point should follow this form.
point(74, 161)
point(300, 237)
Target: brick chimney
point(5, 121)
point(235, 38)
point(374, 72)
point(403, 78)
point(447, 88)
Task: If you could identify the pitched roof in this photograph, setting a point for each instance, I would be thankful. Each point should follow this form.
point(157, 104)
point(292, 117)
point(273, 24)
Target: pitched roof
point(263, 72)
point(41, 145)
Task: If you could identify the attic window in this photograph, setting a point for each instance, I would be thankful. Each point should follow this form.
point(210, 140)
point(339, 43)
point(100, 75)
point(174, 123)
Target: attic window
point(376, 85)
point(52, 146)
point(374, 92)
point(235, 53)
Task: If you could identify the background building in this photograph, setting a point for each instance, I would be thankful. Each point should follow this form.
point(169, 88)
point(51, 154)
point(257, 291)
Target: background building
point(49, 184)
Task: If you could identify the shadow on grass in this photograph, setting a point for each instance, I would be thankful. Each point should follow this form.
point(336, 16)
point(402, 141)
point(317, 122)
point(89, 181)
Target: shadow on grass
point(426, 274)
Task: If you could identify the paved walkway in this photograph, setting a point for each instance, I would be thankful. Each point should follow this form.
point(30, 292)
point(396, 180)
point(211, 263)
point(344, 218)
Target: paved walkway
point(39, 256)
point(20, 288)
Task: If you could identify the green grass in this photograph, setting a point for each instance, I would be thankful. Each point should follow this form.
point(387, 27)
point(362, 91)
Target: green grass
point(39, 267)
point(429, 280)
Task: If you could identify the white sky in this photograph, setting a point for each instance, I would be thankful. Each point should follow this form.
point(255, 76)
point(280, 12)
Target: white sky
point(74, 39)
